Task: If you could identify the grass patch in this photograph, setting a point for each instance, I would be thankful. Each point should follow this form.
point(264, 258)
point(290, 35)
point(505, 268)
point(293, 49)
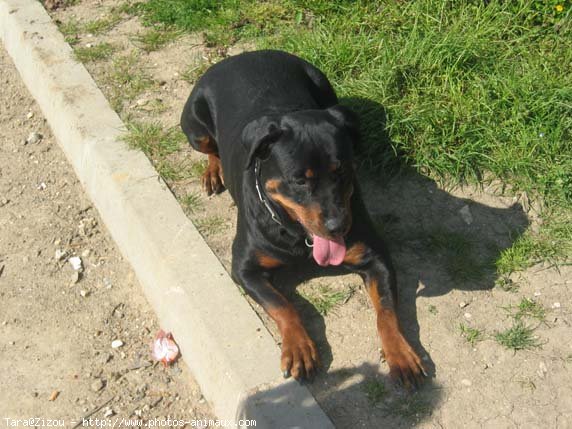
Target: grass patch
point(472, 335)
point(455, 89)
point(506, 283)
point(152, 139)
point(527, 308)
point(194, 71)
point(193, 202)
point(198, 168)
point(553, 244)
point(168, 171)
point(99, 52)
point(409, 407)
point(101, 25)
point(210, 225)
point(518, 337)
point(126, 80)
point(70, 30)
point(433, 310)
point(376, 391)
point(155, 38)
point(460, 255)
point(325, 299)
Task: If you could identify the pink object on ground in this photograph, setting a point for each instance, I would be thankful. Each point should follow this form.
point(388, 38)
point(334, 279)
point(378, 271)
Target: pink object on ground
point(164, 348)
point(329, 252)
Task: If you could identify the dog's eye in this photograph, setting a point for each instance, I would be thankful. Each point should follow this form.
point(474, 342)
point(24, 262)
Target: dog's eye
point(301, 181)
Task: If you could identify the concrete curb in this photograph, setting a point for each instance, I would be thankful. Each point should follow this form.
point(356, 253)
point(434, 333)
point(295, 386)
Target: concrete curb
point(229, 351)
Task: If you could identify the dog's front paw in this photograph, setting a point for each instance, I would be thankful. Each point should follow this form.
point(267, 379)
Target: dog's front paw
point(213, 179)
point(299, 355)
point(405, 366)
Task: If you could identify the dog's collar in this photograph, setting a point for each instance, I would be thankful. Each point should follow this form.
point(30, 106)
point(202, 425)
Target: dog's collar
point(263, 200)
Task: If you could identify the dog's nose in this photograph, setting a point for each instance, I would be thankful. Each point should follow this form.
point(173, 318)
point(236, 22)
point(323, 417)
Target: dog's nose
point(335, 225)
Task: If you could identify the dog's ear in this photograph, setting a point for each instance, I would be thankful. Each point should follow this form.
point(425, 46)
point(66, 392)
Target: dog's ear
point(348, 121)
point(258, 136)
point(345, 117)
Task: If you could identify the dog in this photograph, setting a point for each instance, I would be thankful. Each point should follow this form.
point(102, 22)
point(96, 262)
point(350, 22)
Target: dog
point(278, 140)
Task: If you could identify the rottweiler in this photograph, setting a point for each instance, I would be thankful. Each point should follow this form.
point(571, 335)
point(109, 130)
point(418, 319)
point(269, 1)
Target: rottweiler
point(278, 140)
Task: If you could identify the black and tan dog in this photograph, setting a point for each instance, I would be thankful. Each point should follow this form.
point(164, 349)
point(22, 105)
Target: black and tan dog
point(272, 123)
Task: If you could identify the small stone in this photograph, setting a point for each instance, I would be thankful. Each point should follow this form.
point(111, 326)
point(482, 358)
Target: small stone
point(466, 382)
point(75, 262)
point(466, 214)
point(537, 293)
point(60, 254)
point(42, 186)
point(33, 138)
point(75, 277)
point(556, 305)
point(97, 385)
point(463, 304)
point(84, 293)
point(3, 202)
point(86, 253)
point(467, 315)
point(89, 45)
point(108, 412)
point(115, 344)
point(12, 343)
point(30, 115)
point(542, 370)
point(54, 395)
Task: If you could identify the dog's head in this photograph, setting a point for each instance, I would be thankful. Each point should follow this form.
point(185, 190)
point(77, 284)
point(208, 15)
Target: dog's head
point(307, 169)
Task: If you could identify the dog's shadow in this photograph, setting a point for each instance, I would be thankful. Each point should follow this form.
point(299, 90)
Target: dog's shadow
point(438, 241)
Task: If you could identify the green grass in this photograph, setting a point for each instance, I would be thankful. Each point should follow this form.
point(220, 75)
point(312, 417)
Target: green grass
point(376, 391)
point(518, 337)
point(527, 308)
point(126, 80)
point(433, 310)
point(152, 139)
point(462, 260)
point(98, 52)
point(412, 407)
point(325, 299)
point(553, 244)
point(211, 225)
point(198, 168)
point(472, 335)
point(155, 38)
point(71, 29)
point(193, 202)
point(101, 25)
point(456, 89)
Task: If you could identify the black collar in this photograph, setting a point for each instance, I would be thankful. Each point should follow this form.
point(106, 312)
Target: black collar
point(265, 202)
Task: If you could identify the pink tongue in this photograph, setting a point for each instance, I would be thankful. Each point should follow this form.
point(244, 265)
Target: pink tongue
point(328, 252)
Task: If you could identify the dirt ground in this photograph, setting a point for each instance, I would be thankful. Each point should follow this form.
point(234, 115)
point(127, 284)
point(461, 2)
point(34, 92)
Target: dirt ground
point(56, 330)
point(472, 385)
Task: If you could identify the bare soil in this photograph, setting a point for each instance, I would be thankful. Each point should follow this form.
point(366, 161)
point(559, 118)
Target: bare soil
point(56, 330)
point(470, 385)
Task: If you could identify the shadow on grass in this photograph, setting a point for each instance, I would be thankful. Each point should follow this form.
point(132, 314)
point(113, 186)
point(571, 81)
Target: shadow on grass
point(434, 244)
point(355, 388)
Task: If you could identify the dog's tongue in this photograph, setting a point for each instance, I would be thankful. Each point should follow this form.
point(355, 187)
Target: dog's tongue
point(329, 252)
